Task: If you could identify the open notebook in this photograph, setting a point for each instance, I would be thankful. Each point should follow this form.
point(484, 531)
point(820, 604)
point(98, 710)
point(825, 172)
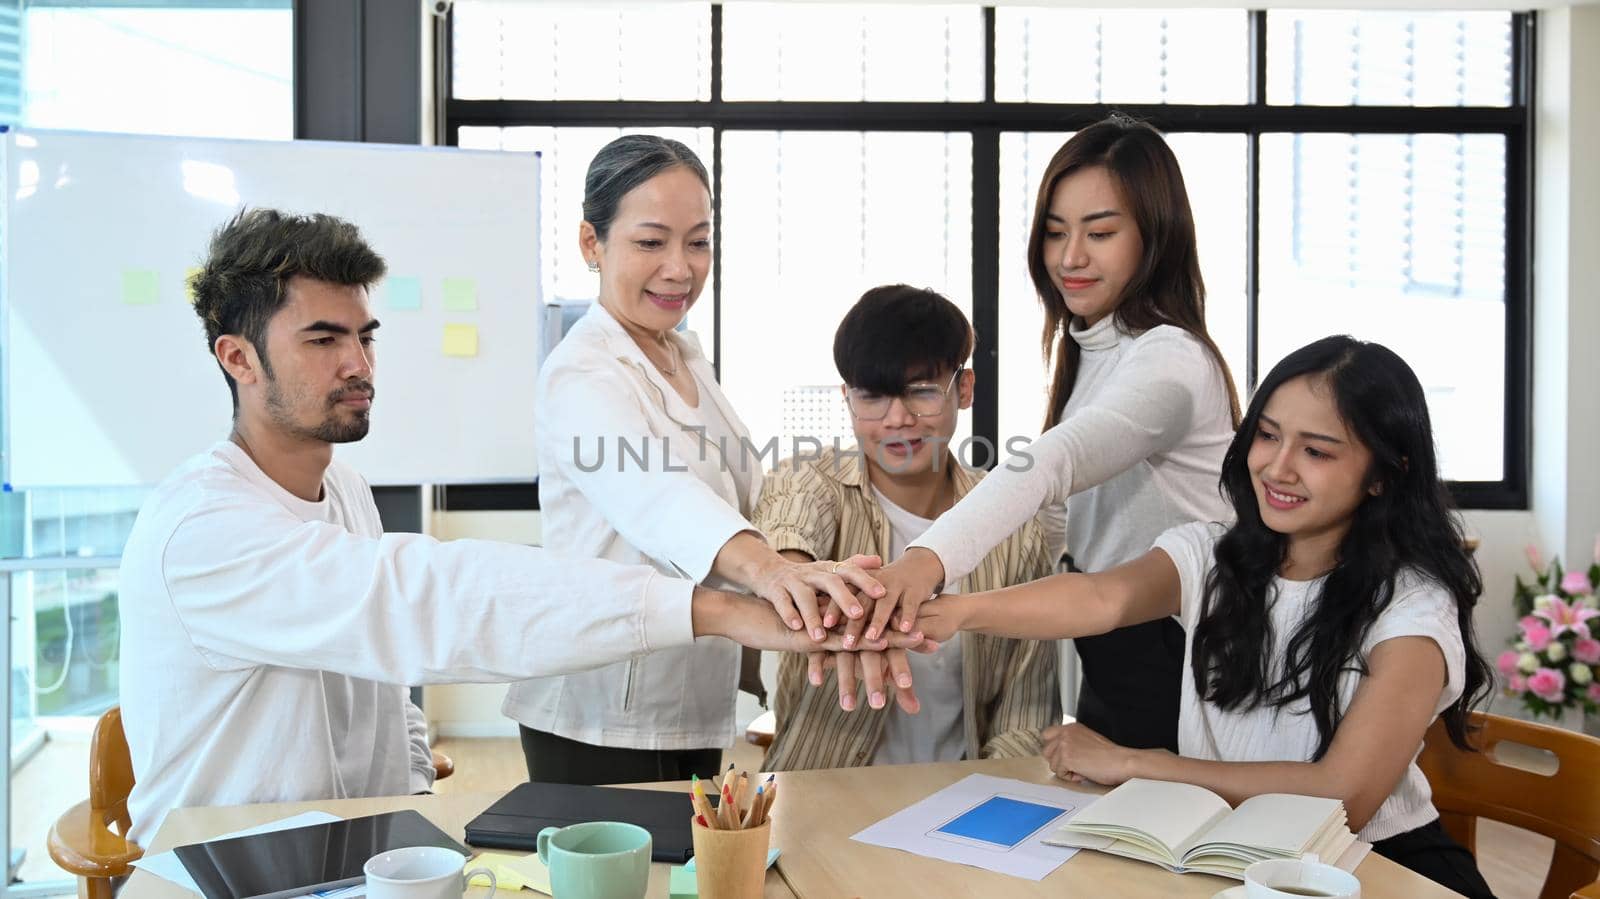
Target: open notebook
point(1188, 828)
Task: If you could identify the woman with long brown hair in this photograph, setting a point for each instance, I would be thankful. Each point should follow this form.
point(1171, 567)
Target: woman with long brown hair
point(1141, 409)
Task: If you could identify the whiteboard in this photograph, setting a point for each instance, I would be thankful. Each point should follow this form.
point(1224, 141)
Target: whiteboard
point(108, 379)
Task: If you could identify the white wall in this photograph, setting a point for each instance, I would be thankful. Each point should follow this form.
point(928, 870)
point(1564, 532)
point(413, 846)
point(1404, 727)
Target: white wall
point(1565, 494)
point(1566, 434)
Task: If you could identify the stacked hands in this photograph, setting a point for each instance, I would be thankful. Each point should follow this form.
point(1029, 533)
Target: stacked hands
point(862, 618)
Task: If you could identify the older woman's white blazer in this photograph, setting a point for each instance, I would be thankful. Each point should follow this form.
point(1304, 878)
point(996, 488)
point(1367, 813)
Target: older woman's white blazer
point(627, 474)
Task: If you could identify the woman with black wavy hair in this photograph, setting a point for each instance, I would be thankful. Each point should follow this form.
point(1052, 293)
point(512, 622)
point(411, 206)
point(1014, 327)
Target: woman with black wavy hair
point(1327, 627)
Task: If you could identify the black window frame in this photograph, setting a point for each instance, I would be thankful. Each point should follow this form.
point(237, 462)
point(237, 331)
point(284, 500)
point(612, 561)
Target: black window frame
point(987, 119)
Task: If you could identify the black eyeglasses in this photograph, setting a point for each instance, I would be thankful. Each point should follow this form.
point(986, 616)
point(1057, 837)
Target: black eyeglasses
point(921, 399)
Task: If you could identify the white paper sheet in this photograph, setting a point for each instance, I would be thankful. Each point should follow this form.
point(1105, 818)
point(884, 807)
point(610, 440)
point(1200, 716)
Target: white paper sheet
point(167, 866)
point(916, 828)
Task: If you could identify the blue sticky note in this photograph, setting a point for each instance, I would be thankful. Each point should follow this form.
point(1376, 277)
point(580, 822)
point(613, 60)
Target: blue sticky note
point(402, 292)
point(1001, 821)
point(772, 856)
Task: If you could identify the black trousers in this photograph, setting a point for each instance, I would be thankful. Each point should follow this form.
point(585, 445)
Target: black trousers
point(553, 759)
point(1431, 852)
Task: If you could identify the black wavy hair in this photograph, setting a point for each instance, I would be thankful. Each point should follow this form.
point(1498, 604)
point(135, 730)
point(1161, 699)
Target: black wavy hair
point(1408, 524)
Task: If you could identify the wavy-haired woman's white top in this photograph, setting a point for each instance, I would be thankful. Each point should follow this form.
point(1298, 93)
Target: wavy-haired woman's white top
point(1419, 607)
point(1137, 450)
point(630, 472)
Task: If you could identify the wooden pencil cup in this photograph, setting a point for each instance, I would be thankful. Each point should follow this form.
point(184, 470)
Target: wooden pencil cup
point(731, 864)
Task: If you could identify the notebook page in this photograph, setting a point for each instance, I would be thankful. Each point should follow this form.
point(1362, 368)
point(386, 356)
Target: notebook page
point(1280, 823)
point(1171, 814)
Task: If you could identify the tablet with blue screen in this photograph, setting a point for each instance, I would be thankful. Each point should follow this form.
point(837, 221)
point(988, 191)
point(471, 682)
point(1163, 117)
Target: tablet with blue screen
point(1000, 822)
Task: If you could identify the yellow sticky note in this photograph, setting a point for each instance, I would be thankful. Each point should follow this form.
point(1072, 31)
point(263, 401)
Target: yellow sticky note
point(461, 340)
point(140, 287)
point(460, 294)
point(512, 872)
point(188, 281)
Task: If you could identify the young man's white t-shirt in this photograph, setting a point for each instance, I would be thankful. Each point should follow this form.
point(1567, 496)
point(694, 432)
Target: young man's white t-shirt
point(1420, 607)
point(934, 734)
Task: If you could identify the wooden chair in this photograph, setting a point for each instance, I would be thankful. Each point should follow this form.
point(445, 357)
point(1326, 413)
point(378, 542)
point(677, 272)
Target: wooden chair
point(760, 731)
point(82, 840)
point(1564, 805)
point(443, 766)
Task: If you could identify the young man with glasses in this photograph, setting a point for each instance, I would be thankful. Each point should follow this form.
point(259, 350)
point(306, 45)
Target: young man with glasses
point(902, 353)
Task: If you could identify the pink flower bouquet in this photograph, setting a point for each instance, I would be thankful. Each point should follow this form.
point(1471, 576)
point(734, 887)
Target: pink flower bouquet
point(1554, 661)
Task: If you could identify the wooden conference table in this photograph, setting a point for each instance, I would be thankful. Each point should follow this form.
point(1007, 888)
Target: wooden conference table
point(816, 814)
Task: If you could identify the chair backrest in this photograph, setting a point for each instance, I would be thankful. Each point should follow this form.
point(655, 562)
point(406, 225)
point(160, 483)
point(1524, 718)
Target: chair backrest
point(1563, 805)
point(110, 769)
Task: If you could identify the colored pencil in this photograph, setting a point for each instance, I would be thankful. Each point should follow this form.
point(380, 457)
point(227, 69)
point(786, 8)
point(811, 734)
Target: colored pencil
point(751, 817)
point(772, 796)
point(702, 805)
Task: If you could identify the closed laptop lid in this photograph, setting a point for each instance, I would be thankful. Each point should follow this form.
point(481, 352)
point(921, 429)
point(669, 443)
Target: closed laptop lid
point(515, 820)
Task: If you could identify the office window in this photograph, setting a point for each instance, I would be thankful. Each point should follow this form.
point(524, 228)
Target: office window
point(160, 69)
point(1048, 55)
point(10, 61)
point(61, 591)
point(515, 50)
point(1315, 212)
point(850, 51)
point(1405, 247)
point(1380, 58)
point(810, 221)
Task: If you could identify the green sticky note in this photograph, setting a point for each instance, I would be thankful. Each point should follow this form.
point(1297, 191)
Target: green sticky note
point(139, 287)
point(460, 294)
point(189, 275)
point(461, 340)
point(402, 292)
point(682, 884)
point(772, 856)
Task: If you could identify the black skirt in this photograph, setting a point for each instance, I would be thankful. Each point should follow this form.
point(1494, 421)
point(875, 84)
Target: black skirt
point(1431, 852)
point(1132, 681)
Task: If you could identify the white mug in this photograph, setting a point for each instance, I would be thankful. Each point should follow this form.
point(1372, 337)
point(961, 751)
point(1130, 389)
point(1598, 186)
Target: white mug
point(1295, 879)
point(421, 872)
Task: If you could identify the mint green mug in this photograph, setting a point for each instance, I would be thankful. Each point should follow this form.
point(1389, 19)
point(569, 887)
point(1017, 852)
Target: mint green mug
point(596, 860)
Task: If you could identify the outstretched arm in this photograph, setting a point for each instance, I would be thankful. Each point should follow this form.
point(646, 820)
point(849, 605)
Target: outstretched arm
point(1147, 410)
point(1062, 605)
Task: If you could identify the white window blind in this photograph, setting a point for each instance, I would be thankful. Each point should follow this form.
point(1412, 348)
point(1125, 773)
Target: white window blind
point(513, 49)
point(10, 61)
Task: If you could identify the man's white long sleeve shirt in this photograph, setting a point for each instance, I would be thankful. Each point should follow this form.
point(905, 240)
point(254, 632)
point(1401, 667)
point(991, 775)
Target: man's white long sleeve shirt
point(267, 641)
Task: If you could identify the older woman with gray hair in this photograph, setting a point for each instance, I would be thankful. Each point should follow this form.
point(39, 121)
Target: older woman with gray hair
point(643, 460)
